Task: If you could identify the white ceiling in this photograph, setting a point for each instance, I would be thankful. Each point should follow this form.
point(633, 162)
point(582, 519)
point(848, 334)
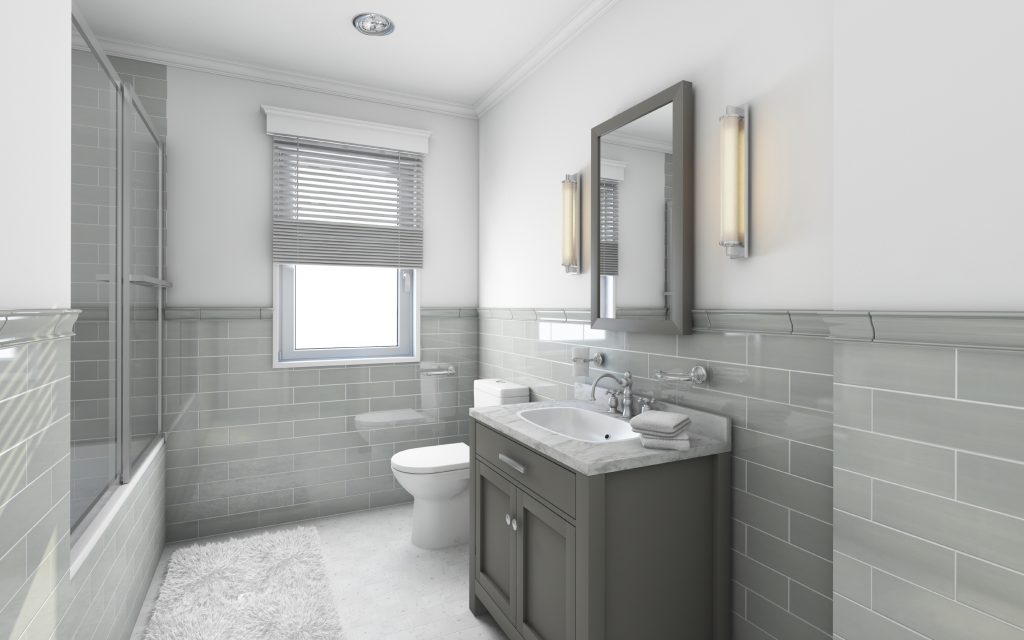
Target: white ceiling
point(448, 55)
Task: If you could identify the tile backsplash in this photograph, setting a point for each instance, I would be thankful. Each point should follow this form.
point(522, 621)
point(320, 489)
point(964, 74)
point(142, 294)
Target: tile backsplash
point(251, 446)
point(927, 459)
point(929, 465)
point(778, 391)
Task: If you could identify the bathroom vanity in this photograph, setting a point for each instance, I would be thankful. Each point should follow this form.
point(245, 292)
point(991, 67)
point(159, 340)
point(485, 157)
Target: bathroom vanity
point(599, 540)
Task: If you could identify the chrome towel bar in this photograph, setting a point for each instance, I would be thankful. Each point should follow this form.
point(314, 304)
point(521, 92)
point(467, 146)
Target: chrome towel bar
point(697, 374)
point(433, 373)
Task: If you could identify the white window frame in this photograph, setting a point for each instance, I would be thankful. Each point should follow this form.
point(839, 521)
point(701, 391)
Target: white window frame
point(287, 356)
point(290, 122)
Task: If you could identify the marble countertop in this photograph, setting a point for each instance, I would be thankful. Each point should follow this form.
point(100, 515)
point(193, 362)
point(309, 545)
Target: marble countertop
point(710, 434)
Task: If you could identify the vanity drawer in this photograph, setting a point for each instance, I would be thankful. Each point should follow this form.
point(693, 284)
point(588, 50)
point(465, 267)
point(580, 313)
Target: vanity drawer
point(546, 478)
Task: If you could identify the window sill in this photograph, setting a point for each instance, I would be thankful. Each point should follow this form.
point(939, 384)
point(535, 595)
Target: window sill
point(341, 362)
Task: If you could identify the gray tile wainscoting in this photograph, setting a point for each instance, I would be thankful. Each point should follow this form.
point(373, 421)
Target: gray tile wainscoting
point(34, 467)
point(771, 372)
point(106, 592)
point(251, 446)
point(39, 596)
point(929, 466)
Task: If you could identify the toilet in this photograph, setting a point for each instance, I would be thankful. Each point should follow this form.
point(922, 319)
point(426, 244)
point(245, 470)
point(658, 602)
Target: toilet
point(437, 477)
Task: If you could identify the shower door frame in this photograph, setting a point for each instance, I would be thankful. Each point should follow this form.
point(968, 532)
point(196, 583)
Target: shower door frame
point(130, 100)
point(121, 280)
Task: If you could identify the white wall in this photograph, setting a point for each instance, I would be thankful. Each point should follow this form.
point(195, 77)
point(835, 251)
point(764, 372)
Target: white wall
point(775, 54)
point(35, 218)
point(219, 194)
point(929, 191)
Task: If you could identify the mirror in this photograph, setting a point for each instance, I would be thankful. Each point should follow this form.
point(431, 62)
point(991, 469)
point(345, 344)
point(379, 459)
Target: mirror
point(642, 216)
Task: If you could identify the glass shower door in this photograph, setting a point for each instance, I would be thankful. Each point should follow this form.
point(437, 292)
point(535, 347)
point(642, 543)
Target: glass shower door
point(143, 281)
point(95, 112)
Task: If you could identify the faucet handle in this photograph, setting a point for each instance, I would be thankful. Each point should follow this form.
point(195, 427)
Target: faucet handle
point(645, 403)
point(613, 401)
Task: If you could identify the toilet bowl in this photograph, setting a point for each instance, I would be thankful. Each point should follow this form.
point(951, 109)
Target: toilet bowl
point(437, 477)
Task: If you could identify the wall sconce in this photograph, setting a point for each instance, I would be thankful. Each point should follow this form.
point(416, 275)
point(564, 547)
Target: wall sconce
point(734, 134)
point(571, 224)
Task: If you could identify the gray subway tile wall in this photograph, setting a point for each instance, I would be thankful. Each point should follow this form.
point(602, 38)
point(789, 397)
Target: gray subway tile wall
point(251, 446)
point(39, 596)
point(104, 596)
point(929, 460)
point(35, 498)
point(778, 391)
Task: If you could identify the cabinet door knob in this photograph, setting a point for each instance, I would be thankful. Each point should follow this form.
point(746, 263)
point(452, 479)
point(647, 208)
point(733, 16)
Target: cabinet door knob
point(508, 519)
point(515, 525)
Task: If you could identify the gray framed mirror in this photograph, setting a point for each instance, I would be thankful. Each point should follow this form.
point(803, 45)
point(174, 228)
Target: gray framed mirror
point(642, 211)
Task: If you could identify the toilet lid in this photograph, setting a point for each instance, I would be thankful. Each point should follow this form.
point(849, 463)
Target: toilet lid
point(442, 457)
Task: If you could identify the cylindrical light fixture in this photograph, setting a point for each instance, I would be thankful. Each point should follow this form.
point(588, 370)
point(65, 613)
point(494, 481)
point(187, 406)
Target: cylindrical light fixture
point(734, 136)
point(571, 224)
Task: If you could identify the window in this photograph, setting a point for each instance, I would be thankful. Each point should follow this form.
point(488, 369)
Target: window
point(355, 314)
point(347, 244)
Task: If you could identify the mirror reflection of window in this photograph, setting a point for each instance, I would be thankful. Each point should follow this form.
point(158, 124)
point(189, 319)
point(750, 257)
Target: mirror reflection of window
point(635, 205)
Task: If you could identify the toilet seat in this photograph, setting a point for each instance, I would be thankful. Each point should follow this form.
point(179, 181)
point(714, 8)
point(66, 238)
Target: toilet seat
point(435, 459)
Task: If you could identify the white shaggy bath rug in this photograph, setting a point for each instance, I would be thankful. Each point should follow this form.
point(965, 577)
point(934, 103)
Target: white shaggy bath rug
point(263, 587)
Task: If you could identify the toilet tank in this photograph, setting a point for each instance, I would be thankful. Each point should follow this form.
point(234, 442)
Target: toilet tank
point(491, 391)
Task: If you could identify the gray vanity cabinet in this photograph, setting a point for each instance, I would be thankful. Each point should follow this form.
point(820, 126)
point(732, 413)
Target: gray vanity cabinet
point(546, 572)
point(494, 563)
point(525, 559)
point(637, 554)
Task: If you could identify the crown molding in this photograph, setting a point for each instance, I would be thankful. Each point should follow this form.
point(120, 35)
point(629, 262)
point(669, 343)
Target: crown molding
point(554, 43)
point(636, 142)
point(283, 78)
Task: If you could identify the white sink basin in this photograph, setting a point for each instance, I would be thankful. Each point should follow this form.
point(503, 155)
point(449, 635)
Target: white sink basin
point(579, 424)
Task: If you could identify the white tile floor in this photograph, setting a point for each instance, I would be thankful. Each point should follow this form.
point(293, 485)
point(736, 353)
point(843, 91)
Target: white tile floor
point(385, 588)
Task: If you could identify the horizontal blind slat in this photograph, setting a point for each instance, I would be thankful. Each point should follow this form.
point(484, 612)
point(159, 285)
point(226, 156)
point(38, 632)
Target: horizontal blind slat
point(346, 204)
point(608, 228)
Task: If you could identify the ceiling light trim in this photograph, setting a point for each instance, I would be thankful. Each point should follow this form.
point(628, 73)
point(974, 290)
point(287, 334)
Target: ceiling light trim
point(283, 78)
point(542, 54)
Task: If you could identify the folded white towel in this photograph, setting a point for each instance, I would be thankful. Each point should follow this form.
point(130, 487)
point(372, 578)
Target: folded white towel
point(663, 423)
point(655, 436)
point(671, 444)
point(658, 434)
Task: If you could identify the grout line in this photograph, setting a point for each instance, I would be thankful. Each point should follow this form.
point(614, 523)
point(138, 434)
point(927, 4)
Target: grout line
point(943, 596)
point(956, 373)
point(880, 615)
point(932, 396)
point(925, 540)
point(934, 445)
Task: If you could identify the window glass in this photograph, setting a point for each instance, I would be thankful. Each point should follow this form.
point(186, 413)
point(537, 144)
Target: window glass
point(345, 307)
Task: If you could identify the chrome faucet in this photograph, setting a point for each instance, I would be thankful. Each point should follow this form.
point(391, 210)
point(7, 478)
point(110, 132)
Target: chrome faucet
point(626, 382)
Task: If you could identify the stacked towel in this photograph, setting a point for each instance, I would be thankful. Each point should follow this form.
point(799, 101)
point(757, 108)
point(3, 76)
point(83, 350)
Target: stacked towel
point(662, 430)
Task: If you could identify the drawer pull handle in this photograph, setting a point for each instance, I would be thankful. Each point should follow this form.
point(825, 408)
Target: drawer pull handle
point(515, 525)
point(512, 463)
point(508, 519)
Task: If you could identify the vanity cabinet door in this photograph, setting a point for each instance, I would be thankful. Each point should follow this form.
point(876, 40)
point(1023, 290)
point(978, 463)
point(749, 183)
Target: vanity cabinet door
point(495, 561)
point(546, 572)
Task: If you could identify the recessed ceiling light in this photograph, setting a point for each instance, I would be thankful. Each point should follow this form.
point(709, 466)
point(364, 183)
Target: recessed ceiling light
point(373, 24)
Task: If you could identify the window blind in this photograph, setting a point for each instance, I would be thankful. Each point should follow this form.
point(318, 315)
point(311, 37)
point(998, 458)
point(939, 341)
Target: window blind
point(609, 228)
point(346, 204)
